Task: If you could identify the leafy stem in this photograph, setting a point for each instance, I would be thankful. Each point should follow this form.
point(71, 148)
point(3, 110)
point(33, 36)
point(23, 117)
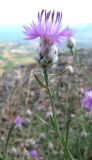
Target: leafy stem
point(61, 137)
point(7, 142)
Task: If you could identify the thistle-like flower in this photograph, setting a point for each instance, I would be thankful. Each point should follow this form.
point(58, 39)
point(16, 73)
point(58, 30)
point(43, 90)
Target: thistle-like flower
point(18, 120)
point(48, 28)
point(87, 100)
point(34, 153)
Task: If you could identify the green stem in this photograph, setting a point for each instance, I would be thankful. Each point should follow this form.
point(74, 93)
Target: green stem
point(75, 56)
point(67, 131)
point(62, 140)
point(67, 136)
point(78, 149)
point(67, 114)
point(7, 143)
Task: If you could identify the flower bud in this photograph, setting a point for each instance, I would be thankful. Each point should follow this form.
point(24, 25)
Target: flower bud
point(47, 55)
point(42, 136)
point(50, 146)
point(2, 138)
point(71, 42)
point(48, 114)
point(84, 134)
point(29, 112)
point(70, 68)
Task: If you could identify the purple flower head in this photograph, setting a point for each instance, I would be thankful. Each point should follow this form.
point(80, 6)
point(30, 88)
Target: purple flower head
point(48, 27)
point(87, 100)
point(34, 153)
point(18, 120)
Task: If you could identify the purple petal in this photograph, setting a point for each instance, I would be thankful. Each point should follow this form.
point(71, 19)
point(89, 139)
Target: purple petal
point(42, 12)
point(67, 32)
point(48, 15)
point(18, 120)
point(57, 16)
point(47, 27)
point(53, 15)
point(87, 100)
point(38, 16)
point(34, 153)
point(60, 16)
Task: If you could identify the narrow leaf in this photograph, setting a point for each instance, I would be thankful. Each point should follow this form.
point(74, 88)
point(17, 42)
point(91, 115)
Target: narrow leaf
point(40, 82)
point(52, 121)
point(40, 119)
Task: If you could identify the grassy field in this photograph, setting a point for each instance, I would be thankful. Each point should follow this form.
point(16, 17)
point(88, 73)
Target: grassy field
point(27, 129)
point(13, 54)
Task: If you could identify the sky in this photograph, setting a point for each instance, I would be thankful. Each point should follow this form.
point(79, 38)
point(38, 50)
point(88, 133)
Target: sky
point(17, 12)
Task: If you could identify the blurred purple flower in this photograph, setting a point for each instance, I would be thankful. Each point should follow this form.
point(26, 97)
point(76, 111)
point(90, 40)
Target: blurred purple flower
point(48, 27)
point(87, 100)
point(18, 120)
point(34, 153)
